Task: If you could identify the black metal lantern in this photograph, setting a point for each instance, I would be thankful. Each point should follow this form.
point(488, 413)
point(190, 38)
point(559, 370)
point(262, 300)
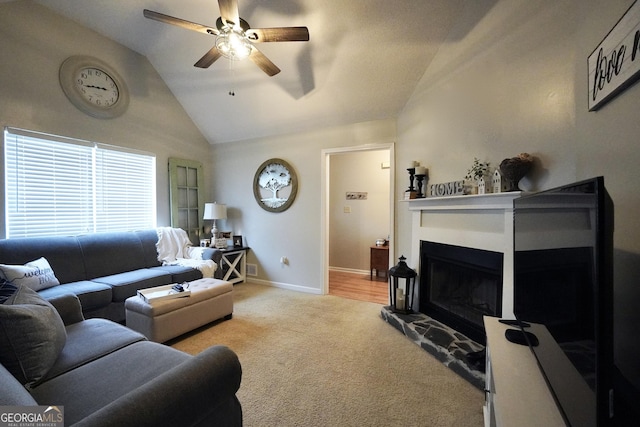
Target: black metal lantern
point(401, 292)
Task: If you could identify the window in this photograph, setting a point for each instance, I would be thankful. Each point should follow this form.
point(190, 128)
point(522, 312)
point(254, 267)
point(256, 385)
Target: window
point(57, 186)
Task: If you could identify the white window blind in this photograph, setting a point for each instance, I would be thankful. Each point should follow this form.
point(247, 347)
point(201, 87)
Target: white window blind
point(56, 186)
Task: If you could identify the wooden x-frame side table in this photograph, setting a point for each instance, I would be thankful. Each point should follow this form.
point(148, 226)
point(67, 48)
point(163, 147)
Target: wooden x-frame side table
point(234, 264)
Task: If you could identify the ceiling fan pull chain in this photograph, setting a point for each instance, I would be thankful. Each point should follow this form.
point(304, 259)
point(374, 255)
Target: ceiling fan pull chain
point(232, 91)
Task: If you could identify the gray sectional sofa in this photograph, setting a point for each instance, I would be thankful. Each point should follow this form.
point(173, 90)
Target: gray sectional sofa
point(101, 269)
point(104, 374)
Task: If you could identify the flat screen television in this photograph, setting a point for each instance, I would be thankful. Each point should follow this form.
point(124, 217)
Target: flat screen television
point(563, 280)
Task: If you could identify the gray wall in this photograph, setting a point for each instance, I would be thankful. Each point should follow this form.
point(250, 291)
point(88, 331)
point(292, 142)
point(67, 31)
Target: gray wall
point(517, 82)
point(296, 233)
point(35, 41)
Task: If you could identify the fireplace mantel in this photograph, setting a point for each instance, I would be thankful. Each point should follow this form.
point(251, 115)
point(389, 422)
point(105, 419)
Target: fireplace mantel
point(476, 221)
point(470, 202)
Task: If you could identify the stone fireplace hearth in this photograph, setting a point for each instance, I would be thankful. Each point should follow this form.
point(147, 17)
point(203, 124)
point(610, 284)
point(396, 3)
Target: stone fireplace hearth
point(442, 342)
point(483, 222)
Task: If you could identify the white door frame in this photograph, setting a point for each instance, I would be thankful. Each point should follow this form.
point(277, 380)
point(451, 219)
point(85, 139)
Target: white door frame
point(324, 232)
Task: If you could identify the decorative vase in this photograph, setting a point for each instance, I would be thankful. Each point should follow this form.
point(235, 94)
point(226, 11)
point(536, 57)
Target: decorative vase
point(514, 169)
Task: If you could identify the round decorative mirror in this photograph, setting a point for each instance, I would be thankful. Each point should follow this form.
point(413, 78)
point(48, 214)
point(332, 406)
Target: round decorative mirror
point(275, 185)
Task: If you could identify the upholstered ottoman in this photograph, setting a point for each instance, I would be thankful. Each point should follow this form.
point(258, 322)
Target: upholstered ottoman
point(210, 299)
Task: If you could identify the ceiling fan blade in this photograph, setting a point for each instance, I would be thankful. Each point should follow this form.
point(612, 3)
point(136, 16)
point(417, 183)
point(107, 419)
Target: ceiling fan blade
point(208, 58)
point(278, 34)
point(161, 17)
point(229, 10)
point(263, 62)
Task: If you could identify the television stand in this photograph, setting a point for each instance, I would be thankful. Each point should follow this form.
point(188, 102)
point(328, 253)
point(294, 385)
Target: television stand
point(516, 393)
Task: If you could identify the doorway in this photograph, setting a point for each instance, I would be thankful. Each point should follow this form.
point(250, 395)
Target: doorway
point(357, 209)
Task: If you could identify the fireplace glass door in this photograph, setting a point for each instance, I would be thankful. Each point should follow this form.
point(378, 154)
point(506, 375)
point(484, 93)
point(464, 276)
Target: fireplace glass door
point(460, 285)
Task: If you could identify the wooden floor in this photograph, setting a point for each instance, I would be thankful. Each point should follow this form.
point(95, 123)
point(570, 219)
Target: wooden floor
point(359, 287)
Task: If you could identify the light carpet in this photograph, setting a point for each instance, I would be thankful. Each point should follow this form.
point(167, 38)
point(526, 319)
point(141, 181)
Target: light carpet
point(311, 360)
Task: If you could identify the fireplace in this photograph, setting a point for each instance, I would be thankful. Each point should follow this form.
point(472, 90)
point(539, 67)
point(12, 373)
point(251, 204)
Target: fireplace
point(459, 285)
point(480, 229)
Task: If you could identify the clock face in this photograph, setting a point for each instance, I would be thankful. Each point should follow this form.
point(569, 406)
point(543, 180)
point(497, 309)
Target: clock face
point(93, 87)
point(275, 185)
point(97, 87)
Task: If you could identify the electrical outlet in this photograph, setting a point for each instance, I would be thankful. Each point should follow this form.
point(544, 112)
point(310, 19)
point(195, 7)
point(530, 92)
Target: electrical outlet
point(347, 209)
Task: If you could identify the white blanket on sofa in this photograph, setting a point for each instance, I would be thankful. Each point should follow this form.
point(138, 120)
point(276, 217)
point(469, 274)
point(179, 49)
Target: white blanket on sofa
point(175, 248)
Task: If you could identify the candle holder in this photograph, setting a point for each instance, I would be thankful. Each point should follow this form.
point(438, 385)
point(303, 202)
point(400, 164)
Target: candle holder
point(412, 172)
point(401, 294)
point(420, 178)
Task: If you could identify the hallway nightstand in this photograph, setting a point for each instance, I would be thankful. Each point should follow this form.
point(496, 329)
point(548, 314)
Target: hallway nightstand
point(379, 261)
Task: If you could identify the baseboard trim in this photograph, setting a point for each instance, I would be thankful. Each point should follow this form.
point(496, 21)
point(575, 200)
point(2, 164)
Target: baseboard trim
point(349, 270)
point(289, 286)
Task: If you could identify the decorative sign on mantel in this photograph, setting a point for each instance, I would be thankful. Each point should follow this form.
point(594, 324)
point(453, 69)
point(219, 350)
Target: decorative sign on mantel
point(615, 64)
point(453, 188)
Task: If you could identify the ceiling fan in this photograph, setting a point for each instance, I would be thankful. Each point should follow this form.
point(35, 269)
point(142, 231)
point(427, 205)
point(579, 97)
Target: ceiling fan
point(234, 36)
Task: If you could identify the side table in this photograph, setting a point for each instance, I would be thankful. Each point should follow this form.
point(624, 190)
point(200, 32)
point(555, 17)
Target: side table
point(234, 264)
point(379, 260)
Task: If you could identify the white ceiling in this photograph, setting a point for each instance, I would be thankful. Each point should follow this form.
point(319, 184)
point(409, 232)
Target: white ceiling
point(362, 62)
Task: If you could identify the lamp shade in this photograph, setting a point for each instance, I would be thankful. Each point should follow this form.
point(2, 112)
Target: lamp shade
point(215, 211)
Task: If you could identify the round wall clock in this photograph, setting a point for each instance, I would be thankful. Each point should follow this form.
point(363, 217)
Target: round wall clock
point(275, 185)
point(93, 87)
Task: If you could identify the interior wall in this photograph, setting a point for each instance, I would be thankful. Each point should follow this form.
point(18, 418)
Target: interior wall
point(297, 232)
point(355, 224)
point(34, 42)
point(517, 82)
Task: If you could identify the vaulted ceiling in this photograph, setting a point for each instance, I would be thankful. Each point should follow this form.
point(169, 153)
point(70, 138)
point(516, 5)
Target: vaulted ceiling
point(362, 62)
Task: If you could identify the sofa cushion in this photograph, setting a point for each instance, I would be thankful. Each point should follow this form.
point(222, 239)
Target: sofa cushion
point(111, 253)
point(125, 285)
point(36, 274)
point(118, 373)
point(32, 335)
point(63, 253)
point(89, 340)
point(180, 273)
point(92, 295)
point(149, 238)
point(12, 392)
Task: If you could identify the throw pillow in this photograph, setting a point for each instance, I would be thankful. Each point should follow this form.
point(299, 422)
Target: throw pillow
point(32, 335)
point(6, 290)
point(36, 274)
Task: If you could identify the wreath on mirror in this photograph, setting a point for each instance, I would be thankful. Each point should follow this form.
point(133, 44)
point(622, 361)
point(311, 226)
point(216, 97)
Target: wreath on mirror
point(275, 185)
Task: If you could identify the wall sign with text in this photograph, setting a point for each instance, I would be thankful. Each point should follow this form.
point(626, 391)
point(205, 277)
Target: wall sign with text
point(615, 64)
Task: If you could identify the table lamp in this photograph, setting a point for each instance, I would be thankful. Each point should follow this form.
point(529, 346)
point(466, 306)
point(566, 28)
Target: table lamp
point(216, 211)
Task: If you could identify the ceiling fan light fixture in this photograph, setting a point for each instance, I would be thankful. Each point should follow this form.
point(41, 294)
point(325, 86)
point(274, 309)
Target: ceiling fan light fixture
point(233, 44)
point(234, 36)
